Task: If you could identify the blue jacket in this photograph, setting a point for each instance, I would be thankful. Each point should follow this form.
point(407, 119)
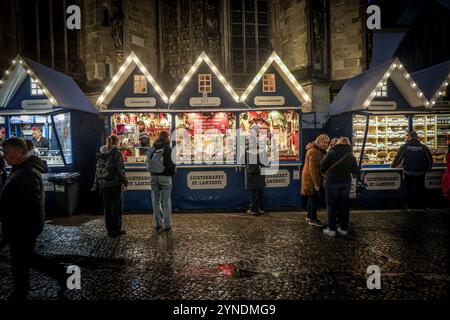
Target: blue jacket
point(414, 157)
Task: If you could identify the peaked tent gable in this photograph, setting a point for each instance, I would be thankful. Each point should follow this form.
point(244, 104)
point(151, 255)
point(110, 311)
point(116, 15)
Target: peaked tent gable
point(203, 58)
point(433, 80)
point(121, 77)
point(61, 90)
point(286, 75)
point(359, 91)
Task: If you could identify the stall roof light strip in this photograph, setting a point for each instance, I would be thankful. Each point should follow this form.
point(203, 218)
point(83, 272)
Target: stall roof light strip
point(441, 91)
point(30, 72)
point(203, 57)
point(274, 57)
point(131, 58)
point(396, 65)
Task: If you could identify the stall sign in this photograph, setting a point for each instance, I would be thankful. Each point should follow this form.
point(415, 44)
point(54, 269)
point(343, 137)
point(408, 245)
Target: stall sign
point(433, 180)
point(383, 180)
point(48, 186)
point(281, 179)
point(383, 105)
point(140, 102)
point(200, 180)
point(42, 104)
point(205, 101)
point(138, 180)
point(269, 101)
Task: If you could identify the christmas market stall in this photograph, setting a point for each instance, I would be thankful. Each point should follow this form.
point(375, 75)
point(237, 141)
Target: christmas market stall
point(376, 109)
point(205, 109)
point(136, 111)
point(48, 108)
point(274, 99)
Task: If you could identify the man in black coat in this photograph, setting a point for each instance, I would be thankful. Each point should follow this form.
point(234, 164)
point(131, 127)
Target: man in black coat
point(416, 159)
point(22, 217)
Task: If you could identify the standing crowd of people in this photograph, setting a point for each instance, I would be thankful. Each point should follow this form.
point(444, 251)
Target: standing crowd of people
point(328, 169)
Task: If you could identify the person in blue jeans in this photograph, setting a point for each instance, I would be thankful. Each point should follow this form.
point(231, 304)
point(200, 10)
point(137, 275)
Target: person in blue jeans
point(338, 166)
point(161, 184)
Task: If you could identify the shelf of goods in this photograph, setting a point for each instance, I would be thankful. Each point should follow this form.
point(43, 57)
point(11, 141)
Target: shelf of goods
point(434, 131)
point(385, 135)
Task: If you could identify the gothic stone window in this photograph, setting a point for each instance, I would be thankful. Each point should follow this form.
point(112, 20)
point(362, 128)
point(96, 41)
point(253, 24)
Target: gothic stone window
point(140, 84)
point(269, 82)
point(249, 35)
point(35, 90)
point(204, 83)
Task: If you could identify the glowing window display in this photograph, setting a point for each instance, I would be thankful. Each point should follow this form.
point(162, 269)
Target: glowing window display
point(204, 83)
point(284, 124)
point(137, 131)
point(206, 138)
point(269, 82)
point(385, 135)
point(434, 131)
point(45, 134)
point(140, 84)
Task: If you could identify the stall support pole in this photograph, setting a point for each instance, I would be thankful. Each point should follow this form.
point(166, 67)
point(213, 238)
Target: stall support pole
point(55, 131)
point(366, 131)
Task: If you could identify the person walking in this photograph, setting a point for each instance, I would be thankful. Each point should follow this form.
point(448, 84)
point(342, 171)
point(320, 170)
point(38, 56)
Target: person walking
point(255, 180)
point(113, 182)
point(22, 216)
point(312, 177)
point(161, 168)
point(416, 159)
point(338, 166)
point(446, 177)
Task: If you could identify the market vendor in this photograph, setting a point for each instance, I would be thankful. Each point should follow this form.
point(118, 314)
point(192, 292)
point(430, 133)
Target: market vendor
point(2, 134)
point(39, 141)
point(144, 139)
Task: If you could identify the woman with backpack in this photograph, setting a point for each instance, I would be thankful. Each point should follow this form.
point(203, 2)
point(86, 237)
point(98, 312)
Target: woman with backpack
point(312, 179)
point(338, 166)
point(446, 177)
point(113, 182)
point(161, 168)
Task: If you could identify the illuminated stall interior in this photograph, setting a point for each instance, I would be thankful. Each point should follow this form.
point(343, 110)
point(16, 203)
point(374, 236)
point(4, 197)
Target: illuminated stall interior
point(137, 109)
point(285, 124)
point(433, 128)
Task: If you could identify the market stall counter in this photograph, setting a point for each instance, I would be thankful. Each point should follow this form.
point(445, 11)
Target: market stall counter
point(376, 109)
point(48, 108)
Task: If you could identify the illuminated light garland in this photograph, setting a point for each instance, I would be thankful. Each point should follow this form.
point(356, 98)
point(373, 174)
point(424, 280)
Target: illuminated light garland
point(275, 58)
point(203, 57)
point(32, 75)
point(132, 58)
point(406, 75)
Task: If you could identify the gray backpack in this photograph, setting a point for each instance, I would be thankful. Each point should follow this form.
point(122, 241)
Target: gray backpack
point(155, 160)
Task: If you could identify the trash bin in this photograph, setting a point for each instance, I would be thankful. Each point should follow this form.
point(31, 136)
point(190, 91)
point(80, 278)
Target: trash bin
point(66, 192)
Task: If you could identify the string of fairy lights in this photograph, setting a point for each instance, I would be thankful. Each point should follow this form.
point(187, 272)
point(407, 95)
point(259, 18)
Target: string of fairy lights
point(19, 60)
point(274, 58)
point(396, 65)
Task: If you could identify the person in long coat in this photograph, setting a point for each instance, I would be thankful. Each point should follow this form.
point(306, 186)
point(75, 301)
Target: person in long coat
point(312, 179)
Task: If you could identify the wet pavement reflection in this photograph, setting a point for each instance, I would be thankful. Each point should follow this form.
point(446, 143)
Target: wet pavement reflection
point(234, 256)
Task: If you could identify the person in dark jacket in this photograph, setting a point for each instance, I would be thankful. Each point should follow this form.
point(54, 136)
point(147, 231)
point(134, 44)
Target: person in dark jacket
point(22, 217)
point(255, 181)
point(99, 167)
point(161, 184)
point(416, 159)
point(113, 182)
point(338, 166)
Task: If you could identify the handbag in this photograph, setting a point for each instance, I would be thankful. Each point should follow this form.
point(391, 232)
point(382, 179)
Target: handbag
point(335, 164)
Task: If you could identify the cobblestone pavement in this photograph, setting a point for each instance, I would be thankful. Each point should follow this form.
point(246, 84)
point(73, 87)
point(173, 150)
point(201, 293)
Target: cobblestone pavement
point(234, 256)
